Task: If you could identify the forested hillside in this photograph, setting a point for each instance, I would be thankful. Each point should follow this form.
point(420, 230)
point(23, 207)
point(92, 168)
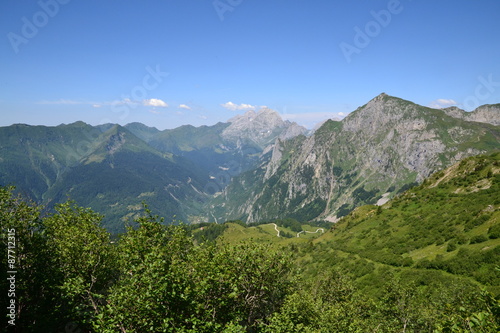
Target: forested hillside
point(113, 168)
point(426, 261)
point(254, 167)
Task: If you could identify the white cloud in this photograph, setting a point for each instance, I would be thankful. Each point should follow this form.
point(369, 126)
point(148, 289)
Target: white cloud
point(184, 106)
point(235, 107)
point(442, 103)
point(341, 114)
point(154, 102)
point(153, 111)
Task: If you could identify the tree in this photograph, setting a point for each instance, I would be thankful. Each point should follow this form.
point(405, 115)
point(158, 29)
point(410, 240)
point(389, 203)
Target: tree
point(167, 284)
point(32, 261)
point(329, 303)
point(150, 293)
point(84, 256)
point(244, 283)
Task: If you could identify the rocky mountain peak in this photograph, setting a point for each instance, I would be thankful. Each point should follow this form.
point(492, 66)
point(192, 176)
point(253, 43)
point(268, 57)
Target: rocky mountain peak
point(247, 116)
point(489, 114)
point(380, 97)
point(381, 112)
point(375, 152)
point(454, 112)
point(261, 127)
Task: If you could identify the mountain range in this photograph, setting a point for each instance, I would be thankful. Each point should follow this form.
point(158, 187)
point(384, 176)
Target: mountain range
point(376, 152)
point(113, 168)
point(256, 166)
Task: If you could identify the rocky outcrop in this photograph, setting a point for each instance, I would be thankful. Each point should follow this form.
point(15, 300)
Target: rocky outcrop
point(261, 127)
point(489, 114)
point(379, 149)
point(486, 114)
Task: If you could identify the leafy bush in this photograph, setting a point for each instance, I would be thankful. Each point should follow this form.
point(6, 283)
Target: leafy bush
point(452, 246)
point(478, 239)
point(494, 232)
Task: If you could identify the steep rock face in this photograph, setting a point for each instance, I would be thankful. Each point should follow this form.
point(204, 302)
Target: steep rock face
point(455, 112)
point(486, 114)
point(387, 128)
point(489, 114)
point(261, 127)
point(381, 148)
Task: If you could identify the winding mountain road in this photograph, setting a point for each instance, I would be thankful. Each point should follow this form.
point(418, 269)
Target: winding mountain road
point(298, 234)
point(276, 228)
point(310, 232)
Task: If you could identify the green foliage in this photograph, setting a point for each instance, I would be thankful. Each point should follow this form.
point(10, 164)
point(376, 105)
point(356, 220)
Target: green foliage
point(34, 263)
point(208, 232)
point(245, 283)
point(452, 246)
point(343, 210)
point(378, 270)
point(494, 231)
point(363, 196)
point(83, 255)
point(478, 239)
point(149, 291)
point(329, 304)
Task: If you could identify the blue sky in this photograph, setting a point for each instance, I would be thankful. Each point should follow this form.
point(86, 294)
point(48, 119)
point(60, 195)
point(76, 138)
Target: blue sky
point(173, 62)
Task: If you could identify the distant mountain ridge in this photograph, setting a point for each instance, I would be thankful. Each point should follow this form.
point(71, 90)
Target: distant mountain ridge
point(484, 114)
point(255, 166)
point(113, 168)
point(262, 127)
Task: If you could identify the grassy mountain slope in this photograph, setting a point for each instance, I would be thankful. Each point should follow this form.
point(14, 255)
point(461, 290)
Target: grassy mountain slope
point(122, 171)
point(142, 131)
point(188, 138)
point(111, 171)
point(33, 157)
point(450, 223)
point(439, 238)
point(113, 168)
